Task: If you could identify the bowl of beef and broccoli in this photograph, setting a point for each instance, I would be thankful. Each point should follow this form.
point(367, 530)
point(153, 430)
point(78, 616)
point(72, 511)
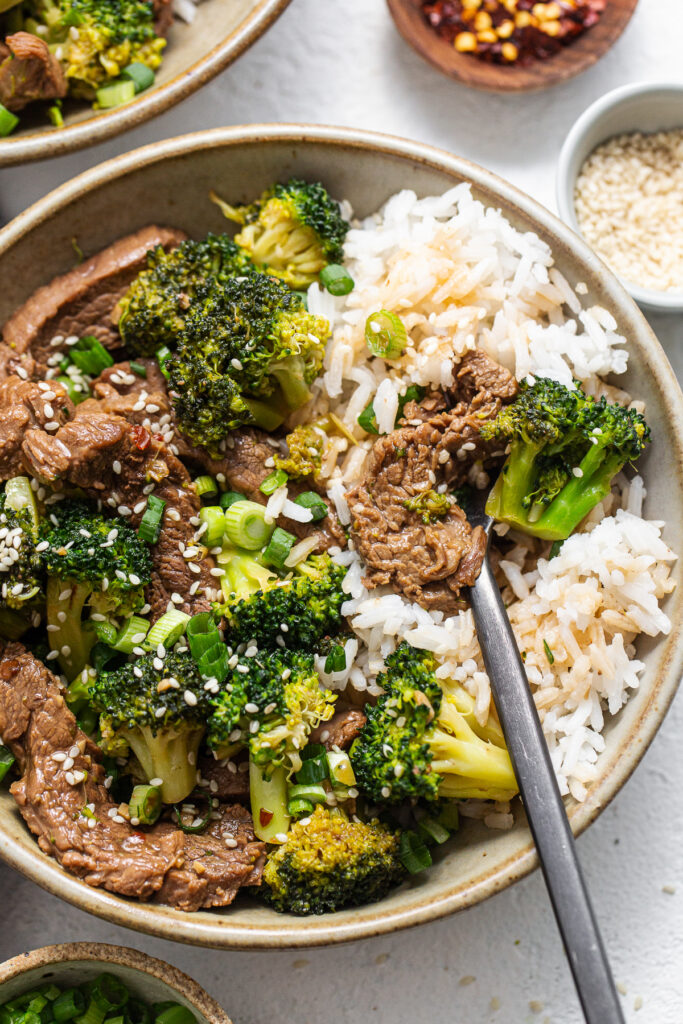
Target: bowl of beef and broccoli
point(242, 700)
point(76, 72)
point(100, 982)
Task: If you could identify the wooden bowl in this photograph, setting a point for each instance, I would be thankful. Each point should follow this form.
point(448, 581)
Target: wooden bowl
point(221, 31)
point(468, 69)
point(168, 183)
point(74, 963)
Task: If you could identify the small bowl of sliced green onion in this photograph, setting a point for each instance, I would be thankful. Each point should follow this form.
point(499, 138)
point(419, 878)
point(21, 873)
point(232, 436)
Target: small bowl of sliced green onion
point(94, 983)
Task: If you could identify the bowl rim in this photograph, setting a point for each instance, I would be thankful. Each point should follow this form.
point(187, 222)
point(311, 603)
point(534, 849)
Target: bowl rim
point(222, 931)
point(99, 127)
point(595, 114)
point(117, 956)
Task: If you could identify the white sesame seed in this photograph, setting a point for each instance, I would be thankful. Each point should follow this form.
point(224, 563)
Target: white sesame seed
point(193, 567)
point(577, 471)
point(156, 782)
point(123, 510)
point(251, 708)
point(160, 712)
point(59, 756)
point(69, 776)
point(74, 751)
point(158, 664)
point(116, 466)
point(254, 727)
point(52, 425)
point(118, 819)
point(230, 842)
point(281, 837)
point(190, 698)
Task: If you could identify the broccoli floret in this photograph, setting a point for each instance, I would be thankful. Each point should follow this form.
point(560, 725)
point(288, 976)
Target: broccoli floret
point(422, 740)
point(270, 703)
point(296, 230)
point(159, 713)
point(248, 353)
point(155, 307)
point(95, 39)
point(429, 505)
point(329, 863)
point(308, 604)
point(305, 451)
point(565, 449)
point(21, 576)
point(92, 560)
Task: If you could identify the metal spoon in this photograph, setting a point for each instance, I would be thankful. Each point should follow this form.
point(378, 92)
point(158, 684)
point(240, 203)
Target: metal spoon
point(540, 794)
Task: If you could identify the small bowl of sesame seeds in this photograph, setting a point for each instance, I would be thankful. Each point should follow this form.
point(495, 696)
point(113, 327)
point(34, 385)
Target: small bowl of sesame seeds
point(620, 186)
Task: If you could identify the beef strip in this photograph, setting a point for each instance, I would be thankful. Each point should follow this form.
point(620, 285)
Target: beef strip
point(163, 17)
point(82, 301)
point(428, 562)
point(216, 864)
point(119, 390)
point(28, 72)
point(36, 724)
point(84, 452)
point(228, 784)
point(188, 872)
point(25, 404)
point(341, 730)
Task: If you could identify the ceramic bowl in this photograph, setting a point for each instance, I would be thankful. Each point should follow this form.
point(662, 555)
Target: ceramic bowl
point(168, 183)
point(644, 107)
point(74, 963)
point(221, 31)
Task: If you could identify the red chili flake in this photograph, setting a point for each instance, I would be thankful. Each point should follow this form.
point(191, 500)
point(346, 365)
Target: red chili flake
point(265, 817)
point(511, 31)
point(141, 437)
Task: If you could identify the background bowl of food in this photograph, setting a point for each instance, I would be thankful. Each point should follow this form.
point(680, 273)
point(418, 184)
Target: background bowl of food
point(619, 184)
point(128, 981)
point(456, 255)
point(85, 74)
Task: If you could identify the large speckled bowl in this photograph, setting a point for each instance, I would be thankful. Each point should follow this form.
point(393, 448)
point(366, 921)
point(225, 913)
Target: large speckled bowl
point(169, 183)
point(75, 963)
point(221, 31)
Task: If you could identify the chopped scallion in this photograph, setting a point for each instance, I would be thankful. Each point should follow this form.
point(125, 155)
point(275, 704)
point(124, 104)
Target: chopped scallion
point(413, 853)
point(202, 634)
point(150, 524)
point(115, 94)
point(313, 502)
point(138, 369)
point(8, 121)
point(385, 334)
point(312, 770)
point(229, 498)
point(145, 804)
point(90, 356)
point(175, 1014)
point(7, 759)
point(315, 794)
point(246, 526)
point(336, 659)
point(105, 632)
point(274, 480)
point(432, 831)
point(163, 354)
point(132, 635)
point(167, 630)
point(72, 389)
point(140, 75)
point(313, 750)
point(214, 518)
point(278, 548)
point(206, 487)
point(213, 664)
point(298, 808)
point(336, 279)
point(70, 1004)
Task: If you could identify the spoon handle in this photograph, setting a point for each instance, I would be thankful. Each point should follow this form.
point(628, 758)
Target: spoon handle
point(543, 804)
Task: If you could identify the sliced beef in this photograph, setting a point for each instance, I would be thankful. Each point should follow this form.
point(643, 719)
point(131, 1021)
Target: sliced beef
point(82, 301)
point(119, 390)
point(341, 730)
point(88, 451)
point(28, 72)
point(16, 364)
point(430, 561)
point(163, 16)
point(41, 732)
point(216, 864)
point(25, 404)
point(187, 872)
point(228, 779)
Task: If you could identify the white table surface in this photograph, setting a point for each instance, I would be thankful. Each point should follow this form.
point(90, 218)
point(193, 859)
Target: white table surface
point(341, 62)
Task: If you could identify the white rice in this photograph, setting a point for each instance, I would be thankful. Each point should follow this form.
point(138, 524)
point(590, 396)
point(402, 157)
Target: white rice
point(460, 276)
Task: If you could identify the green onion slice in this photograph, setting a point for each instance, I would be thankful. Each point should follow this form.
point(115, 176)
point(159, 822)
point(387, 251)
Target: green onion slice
point(55, 114)
point(214, 518)
point(105, 632)
point(299, 808)
point(413, 853)
point(274, 480)
point(140, 75)
point(367, 419)
point(114, 94)
point(229, 498)
point(138, 1012)
point(336, 279)
point(206, 487)
point(109, 993)
point(449, 816)
point(76, 392)
point(340, 768)
point(101, 655)
point(432, 831)
point(213, 664)
point(70, 1004)
point(246, 526)
point(132, 635)
point(20, 497)
point(313, 770)
point(150, 524)
point(163, 354)
point(175, 1014)
point(315, 794)
point(313, 750)
point(90, 356)
point(8, 121)
point(202, 634)
point(336, 659)
point(385, 334)
point(279, 546)
point(313, 502)
point(7, 759)
point(167, 630)
point(197, 829)
point(138, 369)
point(145, 804)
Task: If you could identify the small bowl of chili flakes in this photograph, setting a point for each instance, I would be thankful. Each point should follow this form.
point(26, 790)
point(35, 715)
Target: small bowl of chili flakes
point(511, 45)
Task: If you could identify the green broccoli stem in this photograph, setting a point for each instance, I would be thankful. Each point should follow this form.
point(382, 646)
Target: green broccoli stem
point(290, 375)
point(505, 502)
point(481, 768)
point(268, 792)
point(580, 494)
point(64, 609)
point(169, 755)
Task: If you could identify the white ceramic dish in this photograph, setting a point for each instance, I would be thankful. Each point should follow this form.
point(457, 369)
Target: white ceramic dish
point(74, 963)
point(644, 107)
